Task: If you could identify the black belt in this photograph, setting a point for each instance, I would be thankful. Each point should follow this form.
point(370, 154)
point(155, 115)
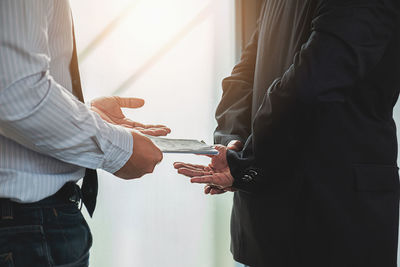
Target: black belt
point(69, 193)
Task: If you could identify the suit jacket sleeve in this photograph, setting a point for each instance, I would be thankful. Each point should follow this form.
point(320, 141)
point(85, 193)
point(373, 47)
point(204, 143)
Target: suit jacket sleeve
point(347, 42)
point(234, 110)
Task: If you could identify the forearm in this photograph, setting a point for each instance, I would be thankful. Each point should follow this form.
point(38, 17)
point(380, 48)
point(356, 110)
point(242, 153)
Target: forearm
point(39, 114)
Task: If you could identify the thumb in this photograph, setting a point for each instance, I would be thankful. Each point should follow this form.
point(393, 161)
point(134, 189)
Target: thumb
point(129, 102)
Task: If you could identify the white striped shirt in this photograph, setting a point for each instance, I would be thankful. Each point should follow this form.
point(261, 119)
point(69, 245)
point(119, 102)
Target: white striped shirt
point(47, 136)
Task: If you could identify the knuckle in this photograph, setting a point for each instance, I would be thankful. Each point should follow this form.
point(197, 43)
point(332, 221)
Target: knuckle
point(150, 170)
point(143, 171)
point(157, 157)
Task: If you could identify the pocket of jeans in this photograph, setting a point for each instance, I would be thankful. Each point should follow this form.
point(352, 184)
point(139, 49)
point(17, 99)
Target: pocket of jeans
point(68, 236)
point(69, 214)
point(23, 245)
point(81, 262)
point(6, 260)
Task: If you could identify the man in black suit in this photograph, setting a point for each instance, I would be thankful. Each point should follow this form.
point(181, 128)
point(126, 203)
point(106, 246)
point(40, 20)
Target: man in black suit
point(312, 101)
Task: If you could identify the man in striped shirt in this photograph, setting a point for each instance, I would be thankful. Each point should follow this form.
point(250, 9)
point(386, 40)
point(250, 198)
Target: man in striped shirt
point(48, 138)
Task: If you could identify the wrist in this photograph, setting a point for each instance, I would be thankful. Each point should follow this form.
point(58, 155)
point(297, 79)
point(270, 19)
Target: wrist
point(120, 149)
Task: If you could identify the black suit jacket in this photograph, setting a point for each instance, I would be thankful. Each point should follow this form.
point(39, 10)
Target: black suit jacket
point(312, 97)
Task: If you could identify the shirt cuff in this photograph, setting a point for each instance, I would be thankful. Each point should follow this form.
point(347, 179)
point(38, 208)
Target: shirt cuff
point(119, 150)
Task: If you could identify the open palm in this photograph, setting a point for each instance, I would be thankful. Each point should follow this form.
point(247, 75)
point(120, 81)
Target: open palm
point(109, 109)
point(216, 175)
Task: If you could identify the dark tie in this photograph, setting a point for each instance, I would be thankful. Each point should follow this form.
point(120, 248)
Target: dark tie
point(90, 183)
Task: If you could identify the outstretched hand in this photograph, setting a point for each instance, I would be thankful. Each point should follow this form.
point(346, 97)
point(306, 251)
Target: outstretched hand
point(109, 109)
point(216, 175)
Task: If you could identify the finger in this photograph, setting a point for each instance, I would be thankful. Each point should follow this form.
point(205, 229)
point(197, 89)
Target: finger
point(145, 131)
point(155, 131)
point(164, 128)
point(151, 127)
point(206, 179)
point(207, 189)
point(216, 191)
point(168, 130)
point(199, 168)
point(183, 164)
point(196, 169)
point(129, 102)
point(178, 165)
point(126, 126)
point(137, 124)
point(133, 123)
point(154, 126)
point(201, 171)
point(235, 145)
point(220, 148)
point(142, 126)
point(234, 148)
point(192, 172)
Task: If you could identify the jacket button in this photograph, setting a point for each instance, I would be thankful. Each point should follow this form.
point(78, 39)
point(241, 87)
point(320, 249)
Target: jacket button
point(253, 173)
point(247, 178)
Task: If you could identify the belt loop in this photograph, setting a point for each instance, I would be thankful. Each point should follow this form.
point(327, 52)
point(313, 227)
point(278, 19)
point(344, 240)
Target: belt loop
point(7, 212)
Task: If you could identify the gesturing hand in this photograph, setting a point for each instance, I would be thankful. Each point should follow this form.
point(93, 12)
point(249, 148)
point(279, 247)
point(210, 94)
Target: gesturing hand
point(217, 175)
point(109, 109)
point(235, 145)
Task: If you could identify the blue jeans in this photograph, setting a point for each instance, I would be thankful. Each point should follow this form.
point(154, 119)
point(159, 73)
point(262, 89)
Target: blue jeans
point(53, 234)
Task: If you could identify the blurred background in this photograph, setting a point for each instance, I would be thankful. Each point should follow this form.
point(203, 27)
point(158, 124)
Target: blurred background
point(173, 54)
